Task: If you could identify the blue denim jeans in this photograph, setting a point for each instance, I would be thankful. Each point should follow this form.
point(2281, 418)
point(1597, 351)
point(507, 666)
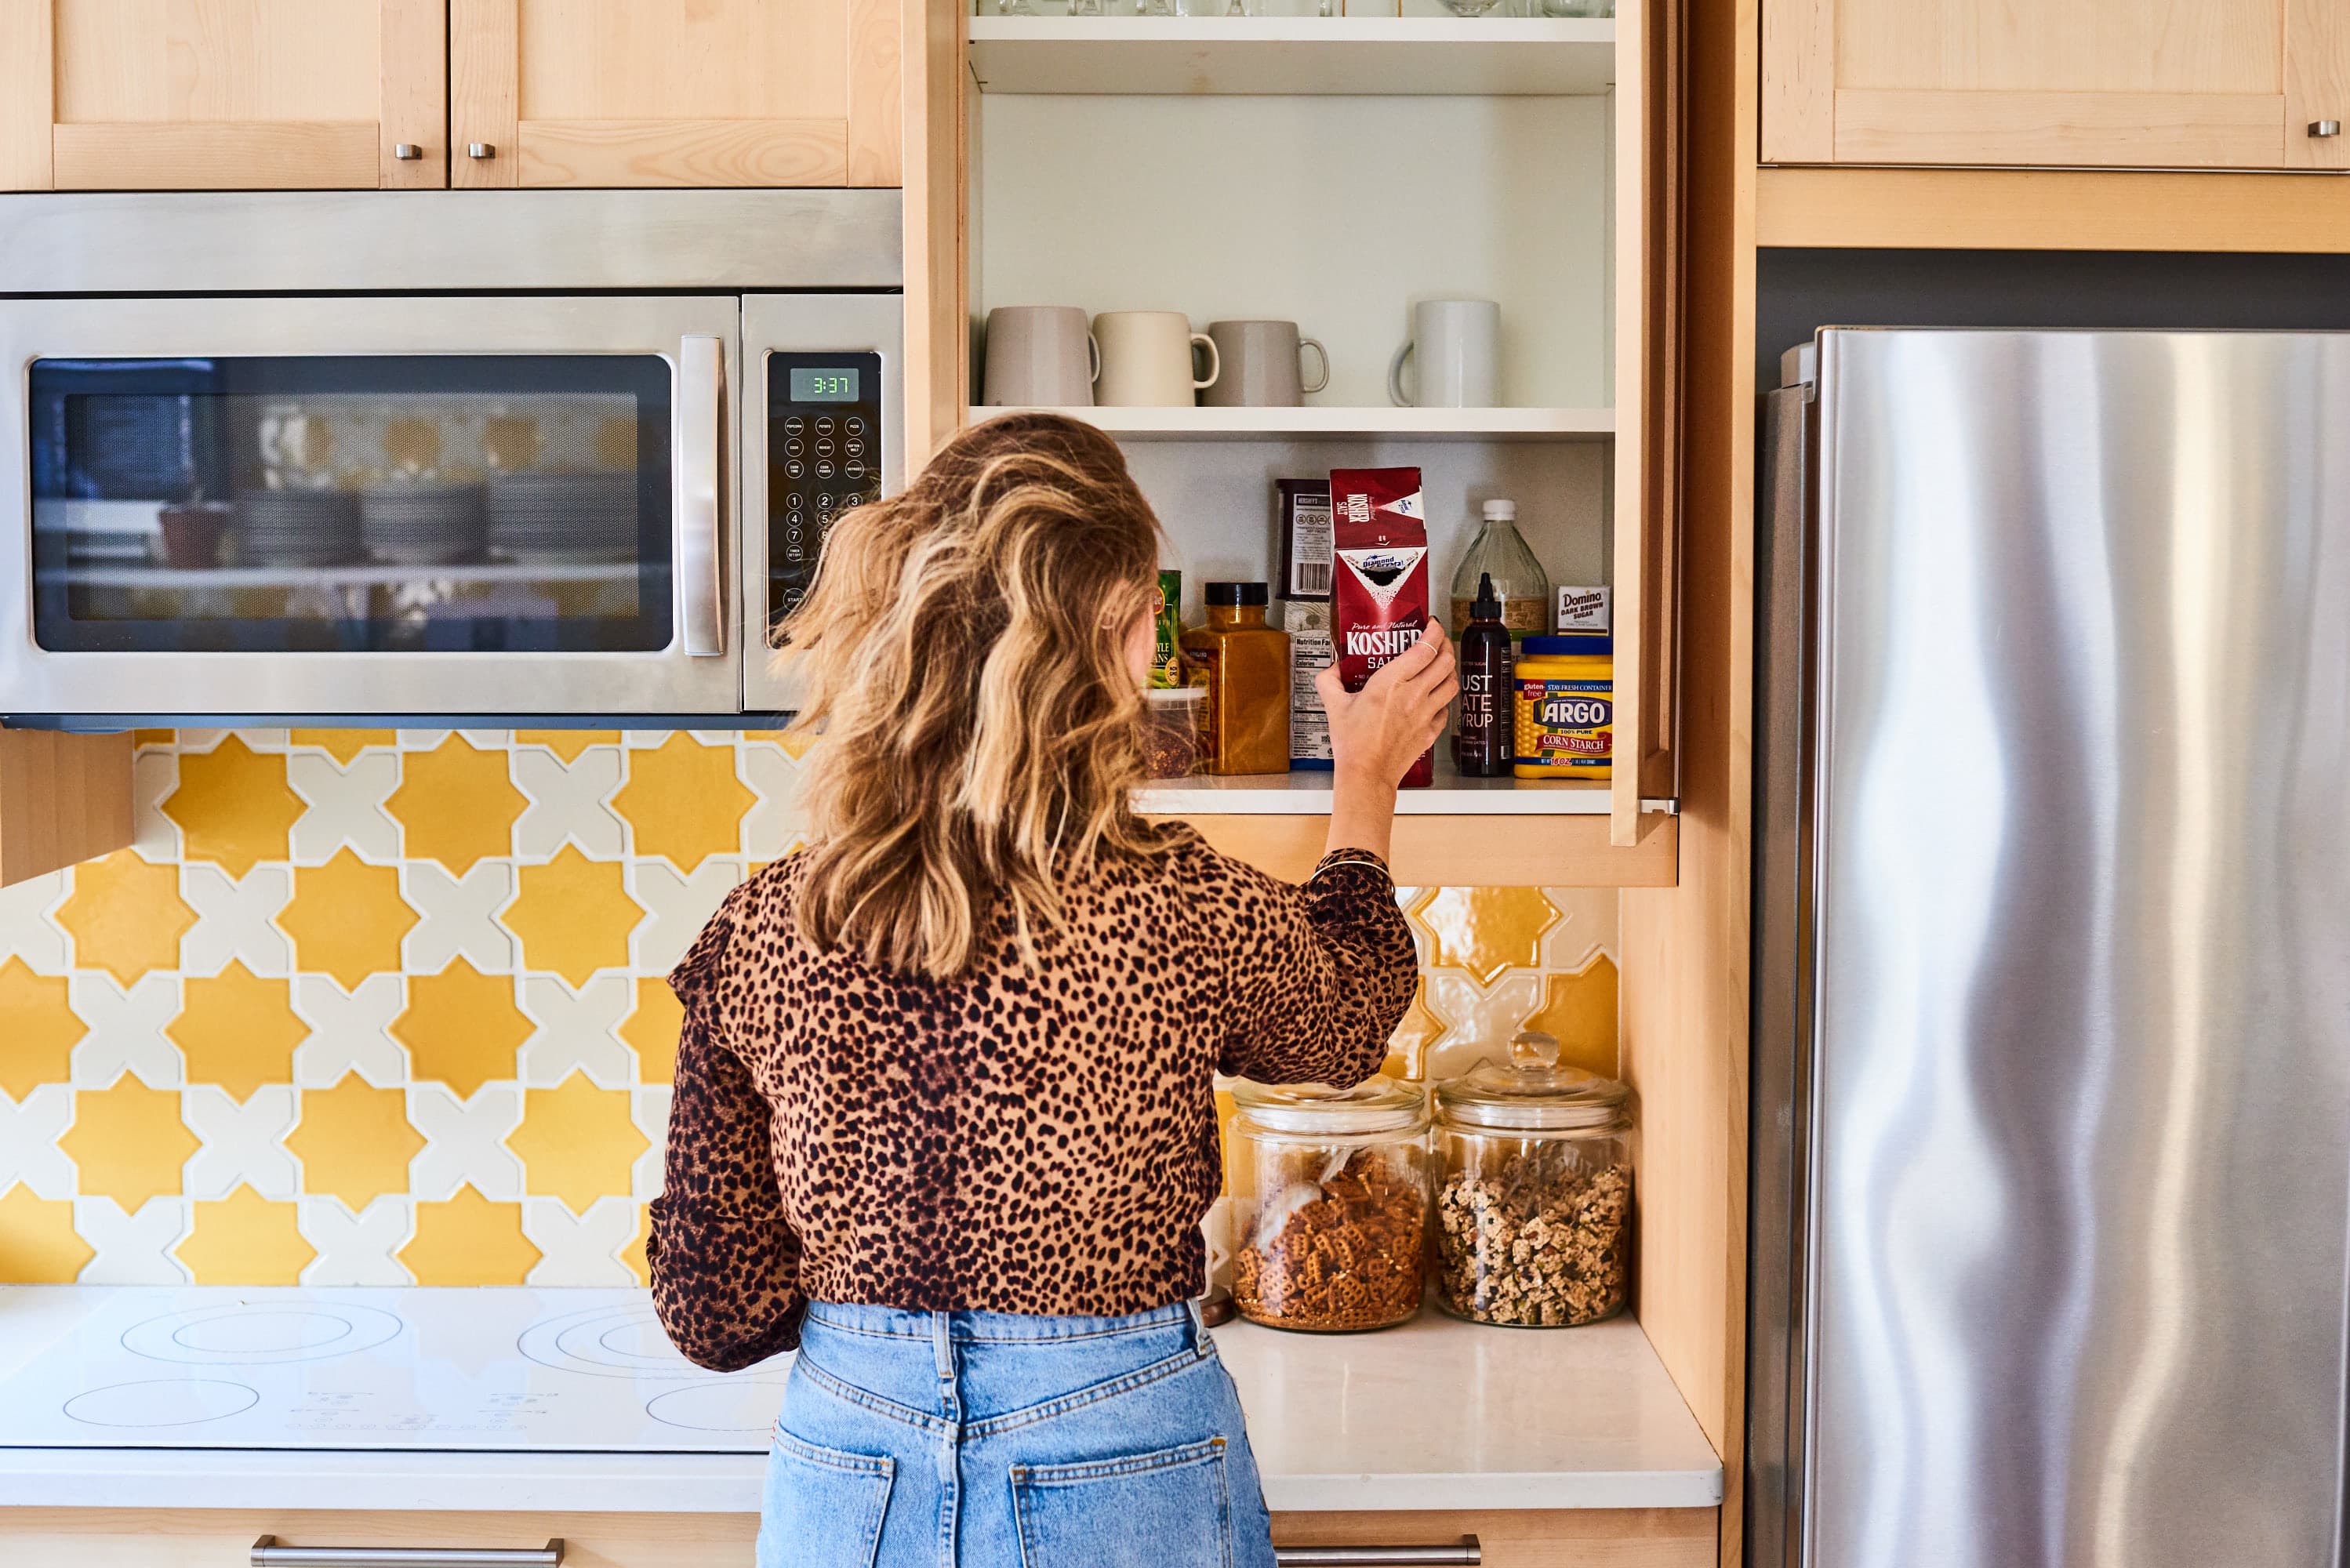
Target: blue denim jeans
point(973, 1439)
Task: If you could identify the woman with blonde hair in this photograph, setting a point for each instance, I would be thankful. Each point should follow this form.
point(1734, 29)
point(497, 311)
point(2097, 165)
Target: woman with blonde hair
point(944, 1116)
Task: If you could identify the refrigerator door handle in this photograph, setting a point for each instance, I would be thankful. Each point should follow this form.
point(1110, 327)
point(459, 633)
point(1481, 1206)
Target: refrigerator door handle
point(701, 519)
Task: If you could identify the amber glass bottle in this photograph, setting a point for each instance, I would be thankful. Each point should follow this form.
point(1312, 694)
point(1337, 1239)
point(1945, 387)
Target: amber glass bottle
point(1248, 681)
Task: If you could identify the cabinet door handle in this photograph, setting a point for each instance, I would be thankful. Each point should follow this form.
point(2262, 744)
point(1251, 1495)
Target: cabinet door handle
point(2324, 128)
point(480, 149)
point(407, 151)
point(268, 1552)
point(1466, 1551)
point(700, 567)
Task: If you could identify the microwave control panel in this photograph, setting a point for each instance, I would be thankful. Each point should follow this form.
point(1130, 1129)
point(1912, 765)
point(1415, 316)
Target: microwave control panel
point(824, 456)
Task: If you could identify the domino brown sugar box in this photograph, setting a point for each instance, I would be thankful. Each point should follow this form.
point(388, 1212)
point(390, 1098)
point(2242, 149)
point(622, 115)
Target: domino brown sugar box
point(1378, 594)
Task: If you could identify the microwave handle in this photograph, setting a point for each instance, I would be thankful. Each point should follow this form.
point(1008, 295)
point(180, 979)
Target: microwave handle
point(700, 412)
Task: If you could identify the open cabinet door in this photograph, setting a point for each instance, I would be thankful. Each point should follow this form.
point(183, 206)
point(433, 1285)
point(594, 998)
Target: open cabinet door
point(1648, 396)
point(234, 95)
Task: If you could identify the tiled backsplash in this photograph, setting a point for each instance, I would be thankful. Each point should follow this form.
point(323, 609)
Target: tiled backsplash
point(373, 1008)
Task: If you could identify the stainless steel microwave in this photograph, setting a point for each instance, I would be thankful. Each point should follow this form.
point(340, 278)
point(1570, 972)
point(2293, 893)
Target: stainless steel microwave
point(530, 501)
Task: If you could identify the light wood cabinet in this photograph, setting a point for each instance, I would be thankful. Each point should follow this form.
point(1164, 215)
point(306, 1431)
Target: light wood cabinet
point(2202, 84)
point(223, 94)
point(673, 92)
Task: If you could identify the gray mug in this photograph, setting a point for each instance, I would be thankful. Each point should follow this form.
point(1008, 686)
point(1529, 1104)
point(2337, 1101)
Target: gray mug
point(1261, 366)
point(1040, 355)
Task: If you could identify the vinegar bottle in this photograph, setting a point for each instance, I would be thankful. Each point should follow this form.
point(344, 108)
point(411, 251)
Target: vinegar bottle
point(1500, 551)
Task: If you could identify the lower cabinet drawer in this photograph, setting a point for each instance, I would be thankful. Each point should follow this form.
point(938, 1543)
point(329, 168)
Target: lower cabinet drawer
point(191, 1538)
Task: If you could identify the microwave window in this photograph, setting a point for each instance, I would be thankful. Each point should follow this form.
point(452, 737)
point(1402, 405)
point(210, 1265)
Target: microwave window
point(481, 503)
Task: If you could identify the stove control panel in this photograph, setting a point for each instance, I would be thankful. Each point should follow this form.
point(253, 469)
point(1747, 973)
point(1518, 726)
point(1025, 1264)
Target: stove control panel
point(824, 457)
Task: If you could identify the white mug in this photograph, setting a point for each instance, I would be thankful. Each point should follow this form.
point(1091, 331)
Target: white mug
point(1456, 346)
point(1146, 360)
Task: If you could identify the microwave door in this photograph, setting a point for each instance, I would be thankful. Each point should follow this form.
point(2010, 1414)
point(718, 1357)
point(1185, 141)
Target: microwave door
point(822, 434)
point(328, 506)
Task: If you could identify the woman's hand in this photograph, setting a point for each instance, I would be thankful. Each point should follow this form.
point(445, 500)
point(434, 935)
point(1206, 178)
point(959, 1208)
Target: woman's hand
point(1377, 733)
point(1380, 731)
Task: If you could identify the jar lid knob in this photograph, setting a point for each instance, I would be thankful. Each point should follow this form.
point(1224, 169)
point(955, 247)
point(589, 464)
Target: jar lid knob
point(1532, 1048)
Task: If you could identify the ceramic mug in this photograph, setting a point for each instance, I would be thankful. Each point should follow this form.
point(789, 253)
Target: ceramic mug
point(1040, 355)
point(1456, 346)
point(1261, 365)
point(1146, 360)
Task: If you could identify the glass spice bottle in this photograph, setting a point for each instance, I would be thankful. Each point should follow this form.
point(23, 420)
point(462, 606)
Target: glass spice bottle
point(1483, 730)
point(1500, 552)
point(1248, 680)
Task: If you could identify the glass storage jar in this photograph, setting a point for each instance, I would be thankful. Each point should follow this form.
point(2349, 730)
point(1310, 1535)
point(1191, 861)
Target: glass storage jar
point(1533, 1199)
point(1329, 1221)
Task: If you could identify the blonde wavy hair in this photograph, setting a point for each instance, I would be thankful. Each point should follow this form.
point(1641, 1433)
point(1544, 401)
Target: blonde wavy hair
point(962, 657)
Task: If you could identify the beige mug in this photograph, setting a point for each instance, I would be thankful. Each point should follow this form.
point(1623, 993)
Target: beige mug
point(1146, 360)
point(1261, 365)
point(1039, 355)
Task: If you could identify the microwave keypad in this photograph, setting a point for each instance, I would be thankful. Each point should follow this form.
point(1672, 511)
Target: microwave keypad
point(824, 457)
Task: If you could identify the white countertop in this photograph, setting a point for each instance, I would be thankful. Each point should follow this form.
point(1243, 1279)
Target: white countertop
point(459, 1410)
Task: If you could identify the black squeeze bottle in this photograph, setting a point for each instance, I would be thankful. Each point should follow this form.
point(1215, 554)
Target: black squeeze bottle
point(1482, 737)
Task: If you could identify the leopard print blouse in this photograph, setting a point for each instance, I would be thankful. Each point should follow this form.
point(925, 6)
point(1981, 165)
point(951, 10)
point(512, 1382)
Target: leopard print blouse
point(1029, 1138)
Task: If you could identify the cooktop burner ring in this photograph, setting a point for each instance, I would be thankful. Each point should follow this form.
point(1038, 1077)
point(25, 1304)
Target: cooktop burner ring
point(738, 1405)
point(262, 1332)
point(161, 1402)
point(582, 1342)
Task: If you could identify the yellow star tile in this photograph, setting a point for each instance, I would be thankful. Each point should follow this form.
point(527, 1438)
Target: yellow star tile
point(354, 1141)
point(39, 1028)
point(461, 1027)
point(652, 1029)
point(245, 1239)
point(567, 744)
point(1421, 1027)
point(469, 1240)
point(684, 801)
point(456, 804)
point(346, 919)
point(795, 743)
point(343, 745)
point(125, 916)
point(573, 916)
point(576, 1142)
point(142, 739)
point(38, 1244)
point(234, 805)
point(238, 1030)
point(1485, 929)
point(1580, 1009)
point(128, 1142)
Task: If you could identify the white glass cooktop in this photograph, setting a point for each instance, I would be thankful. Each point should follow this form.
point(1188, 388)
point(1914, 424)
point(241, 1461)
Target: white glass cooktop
point(544, 1370)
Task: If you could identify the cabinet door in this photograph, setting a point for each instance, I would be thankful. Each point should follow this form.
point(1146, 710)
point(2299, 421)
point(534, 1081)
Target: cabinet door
point(211, 94)
point(674, 92)
point(2210, 84)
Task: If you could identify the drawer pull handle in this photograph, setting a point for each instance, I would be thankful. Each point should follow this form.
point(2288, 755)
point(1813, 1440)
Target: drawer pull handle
point(268, 1552)
point(2324, 128)
point(1466, 1551)
point(407, 151)
point(480, 149)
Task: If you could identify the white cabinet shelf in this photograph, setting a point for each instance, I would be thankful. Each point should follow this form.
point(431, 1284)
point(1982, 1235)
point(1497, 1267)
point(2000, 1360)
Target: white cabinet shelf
point(1357, 56)
point(1308, 795)
point(1367, 423)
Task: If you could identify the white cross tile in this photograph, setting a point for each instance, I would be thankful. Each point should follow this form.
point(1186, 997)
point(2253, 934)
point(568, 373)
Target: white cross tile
point(241, 1143)
point(1586, 929)
point(233, 920)
point(775, 824)
point(458, 919)
point(28, 1142)
point(349, 1029)
point(576, 1031)
point(465, 1141)
point(649, 1108)
point(133, 1249)
point(27, 929)
point(153, 775)
point(678, 907)
point(356, 1249)
point(346, 806)
point(265, 740)
point(126, 1030)
point(1483, 1020)
point(568, 803)
point(582, 1250)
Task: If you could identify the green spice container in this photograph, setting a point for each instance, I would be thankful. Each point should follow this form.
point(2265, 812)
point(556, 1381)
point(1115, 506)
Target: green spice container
point(1167, 663)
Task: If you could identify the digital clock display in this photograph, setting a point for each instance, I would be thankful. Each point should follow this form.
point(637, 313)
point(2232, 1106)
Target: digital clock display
point(824, 386)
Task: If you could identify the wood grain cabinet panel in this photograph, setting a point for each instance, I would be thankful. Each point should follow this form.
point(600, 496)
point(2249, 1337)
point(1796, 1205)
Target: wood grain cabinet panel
point(223, 94)
point(2191, 84)
point(674, 92)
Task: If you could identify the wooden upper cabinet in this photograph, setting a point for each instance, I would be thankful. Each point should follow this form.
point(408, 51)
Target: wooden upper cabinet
point(2201, 84)
point(222, 94)
point(673, 92)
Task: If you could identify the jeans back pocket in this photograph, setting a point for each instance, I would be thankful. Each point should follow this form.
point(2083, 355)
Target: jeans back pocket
point(824, 1507)
point(1168, 1509)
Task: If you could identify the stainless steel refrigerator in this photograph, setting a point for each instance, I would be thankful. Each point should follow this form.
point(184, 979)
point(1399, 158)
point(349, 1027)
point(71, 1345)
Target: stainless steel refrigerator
point(2051, 1197)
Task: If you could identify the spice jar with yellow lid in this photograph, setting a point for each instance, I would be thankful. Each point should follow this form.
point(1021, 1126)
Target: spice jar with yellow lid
point(1533, 1199)
point(1329, 1217)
